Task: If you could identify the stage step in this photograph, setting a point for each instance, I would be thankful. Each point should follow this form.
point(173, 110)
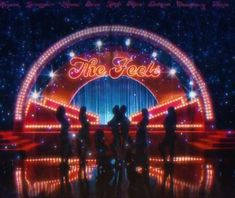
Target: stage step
point(9, 142)
point(205, 147)
point(220, 136)
point(216, 143)
point(11, 138)
point(29, 146)
point(15, 143)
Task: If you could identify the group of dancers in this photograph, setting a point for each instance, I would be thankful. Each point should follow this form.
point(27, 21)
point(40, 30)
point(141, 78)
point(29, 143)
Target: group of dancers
point(122, 142)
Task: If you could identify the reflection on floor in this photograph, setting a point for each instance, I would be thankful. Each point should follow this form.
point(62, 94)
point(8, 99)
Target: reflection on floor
point(189, 175)
point(39, 172)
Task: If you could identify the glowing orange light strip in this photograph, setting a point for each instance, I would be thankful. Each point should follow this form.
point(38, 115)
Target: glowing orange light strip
point(68, 114)
point(159, 106)
point(45, 99)
point(178, 107)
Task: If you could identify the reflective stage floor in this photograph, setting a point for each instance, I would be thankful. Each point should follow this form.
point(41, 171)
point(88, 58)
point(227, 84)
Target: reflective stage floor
point(190, 175)
point(186, 177)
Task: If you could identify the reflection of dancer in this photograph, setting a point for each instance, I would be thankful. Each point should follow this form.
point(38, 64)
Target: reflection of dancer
point(101, 150)
point(168, 172)
point(65, 188)
point(65, 150)
point(84, 187)
point(141, 142)
point(169, 139)
point(124, 123)
point(141, 158)
point(114, 124)
point(82, 150)
point(139, 175)
point(141, 135)
point(83, 142)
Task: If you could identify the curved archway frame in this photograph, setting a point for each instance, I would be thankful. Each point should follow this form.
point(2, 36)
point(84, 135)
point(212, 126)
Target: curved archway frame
point(157, 86)
point(152, 38)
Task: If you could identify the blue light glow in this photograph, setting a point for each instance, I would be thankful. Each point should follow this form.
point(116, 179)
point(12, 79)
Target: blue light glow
point(101, 95)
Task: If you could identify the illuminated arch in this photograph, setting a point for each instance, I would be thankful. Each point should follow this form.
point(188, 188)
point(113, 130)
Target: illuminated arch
point(153, 38)
point(73, 86)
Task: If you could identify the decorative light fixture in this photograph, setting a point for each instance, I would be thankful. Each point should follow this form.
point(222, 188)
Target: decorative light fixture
point(192, 94)
point(154, 54)
point(99, 44)
point(191, 83)
point(51, 74)
point(128, 42)
point(155, 39)
point(35, 95)
point(71, 54)
point(172, 72)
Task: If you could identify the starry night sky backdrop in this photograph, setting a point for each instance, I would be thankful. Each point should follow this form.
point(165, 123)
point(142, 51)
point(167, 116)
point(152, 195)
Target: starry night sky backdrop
point(206, 36)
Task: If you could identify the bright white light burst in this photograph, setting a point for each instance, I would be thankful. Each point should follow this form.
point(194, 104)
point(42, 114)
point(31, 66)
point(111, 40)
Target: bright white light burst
point(128, 42)
point(192, 94)
point(191, 83)
point(172, 72)
point(35, 95)
point(99, 44)
point(154, 54)
point(52, 74)
point(71, 54)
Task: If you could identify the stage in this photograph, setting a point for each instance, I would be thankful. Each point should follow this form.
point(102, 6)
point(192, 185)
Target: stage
point(30, 167)
point(205, 142)
point(130, 79)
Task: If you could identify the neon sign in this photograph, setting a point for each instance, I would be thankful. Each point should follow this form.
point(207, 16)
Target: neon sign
point(120, 66)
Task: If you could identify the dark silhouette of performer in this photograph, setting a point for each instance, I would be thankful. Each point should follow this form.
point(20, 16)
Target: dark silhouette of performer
point(170, 136)
point(65, 152)
point(65, 149)
point(114, 125)
point(83, 142)
point(84, 131)
point(124, 124)
point(142, 157)
point(141, 135)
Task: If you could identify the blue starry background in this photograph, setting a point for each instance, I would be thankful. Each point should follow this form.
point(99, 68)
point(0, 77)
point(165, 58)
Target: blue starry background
point(206, 36)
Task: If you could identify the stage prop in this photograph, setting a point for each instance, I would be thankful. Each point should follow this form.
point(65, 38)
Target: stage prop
point(37, 112)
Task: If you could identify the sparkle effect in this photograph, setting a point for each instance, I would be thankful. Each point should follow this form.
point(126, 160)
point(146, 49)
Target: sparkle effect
point(172, 72)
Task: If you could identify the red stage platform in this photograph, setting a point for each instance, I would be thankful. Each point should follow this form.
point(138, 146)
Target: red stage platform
point(47, 143)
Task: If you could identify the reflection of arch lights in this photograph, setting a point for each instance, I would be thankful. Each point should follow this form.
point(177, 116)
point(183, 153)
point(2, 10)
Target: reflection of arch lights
point(50, 53)
point(49, 185)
